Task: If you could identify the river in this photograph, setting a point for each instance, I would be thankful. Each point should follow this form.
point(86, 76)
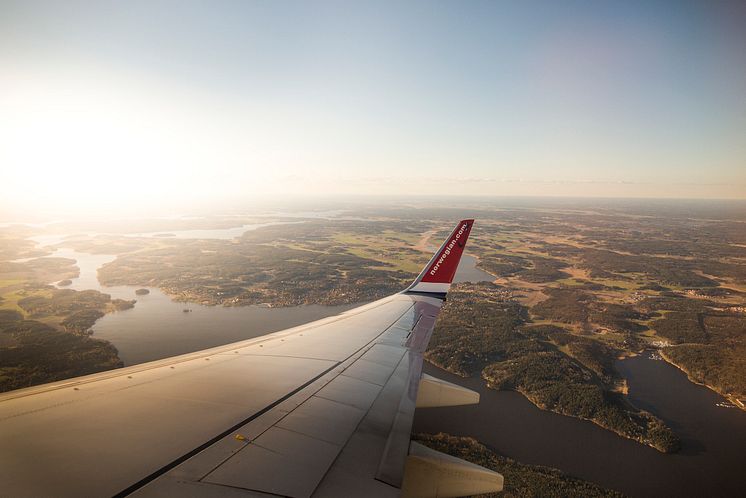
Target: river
point(713, 438)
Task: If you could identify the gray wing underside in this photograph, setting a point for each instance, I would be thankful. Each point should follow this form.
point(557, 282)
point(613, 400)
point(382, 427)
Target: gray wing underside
point(323, 409)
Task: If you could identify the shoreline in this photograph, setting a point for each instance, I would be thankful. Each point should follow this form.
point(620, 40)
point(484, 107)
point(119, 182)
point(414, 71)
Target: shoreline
point(533, 402)
point(732, 400)
point(605, 427)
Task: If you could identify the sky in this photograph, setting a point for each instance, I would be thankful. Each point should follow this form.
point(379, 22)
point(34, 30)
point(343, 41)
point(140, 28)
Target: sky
point(108, 103)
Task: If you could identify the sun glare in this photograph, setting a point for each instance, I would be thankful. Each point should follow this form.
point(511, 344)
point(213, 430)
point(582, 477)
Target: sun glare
point(86, 146)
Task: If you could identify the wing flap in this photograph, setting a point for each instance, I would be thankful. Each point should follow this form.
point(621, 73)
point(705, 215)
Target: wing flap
point(306, 441)
point(267, 464)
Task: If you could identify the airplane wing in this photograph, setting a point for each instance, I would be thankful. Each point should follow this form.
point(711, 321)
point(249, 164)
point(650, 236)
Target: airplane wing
point(324, 409)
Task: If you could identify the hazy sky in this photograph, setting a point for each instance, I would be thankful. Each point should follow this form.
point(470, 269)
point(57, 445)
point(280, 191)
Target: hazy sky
point(111, 102)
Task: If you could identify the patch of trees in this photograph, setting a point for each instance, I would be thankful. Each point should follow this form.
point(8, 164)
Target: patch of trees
point(715, 349)
point(63, 302)
point(681, 327)
point(477, 326)
point(521, 480)
point(78, 307)
point(721, 366)
point(573, 305)
point(694, 243)
point(603, 264)
point(534, 269)
point(594, 355)
point(35, 353)
point(250, 273)
point(80, 322)
point(617, 317)
point(725, 326)
point(674, 302)
point(544, 331)
point(544, 270)
point(502, 265)
point(564, 305)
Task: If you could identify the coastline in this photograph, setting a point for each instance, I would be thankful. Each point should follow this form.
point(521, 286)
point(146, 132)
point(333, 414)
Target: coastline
point(534, 402)
point(593, 421)
point(731, 399)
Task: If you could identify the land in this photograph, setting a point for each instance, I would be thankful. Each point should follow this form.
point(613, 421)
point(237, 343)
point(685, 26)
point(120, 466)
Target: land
point(482, 332)
point(45, 334)
point(576, 289)
point(44, 330)
point(576, 286)
point(631, 280)
point(316, 262)
point(34, 352)
point(521, 480)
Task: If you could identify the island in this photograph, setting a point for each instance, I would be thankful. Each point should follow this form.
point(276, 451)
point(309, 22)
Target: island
point(142, 292)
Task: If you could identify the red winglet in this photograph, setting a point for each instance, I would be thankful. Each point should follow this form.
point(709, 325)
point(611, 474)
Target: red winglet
point(438, 274)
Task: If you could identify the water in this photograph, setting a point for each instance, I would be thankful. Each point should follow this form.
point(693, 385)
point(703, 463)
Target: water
point(468, 272)
point(713, 438)
point(158, 327)
point(88, 265)
point(210, 233)
point(207, 233)
point(48, 239)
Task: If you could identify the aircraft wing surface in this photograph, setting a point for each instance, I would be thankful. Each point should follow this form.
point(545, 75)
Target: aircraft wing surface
point(323, 409)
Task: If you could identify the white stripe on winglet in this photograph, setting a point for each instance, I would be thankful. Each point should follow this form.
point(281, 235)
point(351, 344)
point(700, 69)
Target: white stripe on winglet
point(434, 287)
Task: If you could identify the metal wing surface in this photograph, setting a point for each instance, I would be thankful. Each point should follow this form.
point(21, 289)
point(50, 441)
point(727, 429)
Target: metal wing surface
point(323, 409)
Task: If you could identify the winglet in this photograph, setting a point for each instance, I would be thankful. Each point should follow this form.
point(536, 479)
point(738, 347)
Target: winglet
point(438, 274)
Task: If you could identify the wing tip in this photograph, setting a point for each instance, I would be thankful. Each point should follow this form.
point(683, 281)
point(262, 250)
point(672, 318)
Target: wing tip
point(436, 277)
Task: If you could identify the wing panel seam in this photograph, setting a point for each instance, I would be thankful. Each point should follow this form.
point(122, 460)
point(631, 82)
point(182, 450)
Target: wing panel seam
point(187, 456)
